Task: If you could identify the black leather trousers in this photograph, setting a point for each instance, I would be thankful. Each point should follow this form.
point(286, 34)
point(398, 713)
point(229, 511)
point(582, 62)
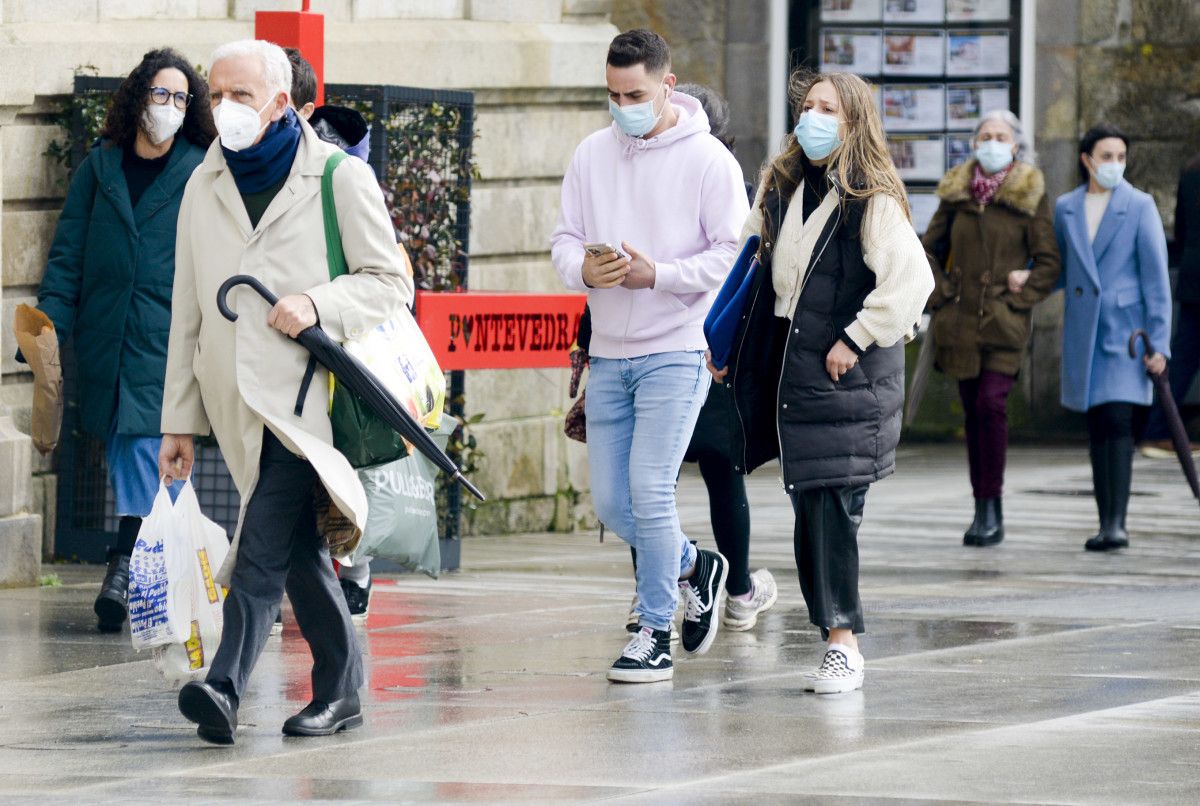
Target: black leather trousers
point(826, 544)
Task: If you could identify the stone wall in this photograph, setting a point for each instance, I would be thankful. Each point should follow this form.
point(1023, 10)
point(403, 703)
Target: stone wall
point(720, 43)
point(537, 69)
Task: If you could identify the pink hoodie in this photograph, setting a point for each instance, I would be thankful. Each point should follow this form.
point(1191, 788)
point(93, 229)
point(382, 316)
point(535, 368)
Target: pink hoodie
point(678, 198)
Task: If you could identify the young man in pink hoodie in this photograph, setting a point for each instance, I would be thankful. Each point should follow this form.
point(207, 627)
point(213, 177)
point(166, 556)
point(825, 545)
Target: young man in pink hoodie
point(670, 200)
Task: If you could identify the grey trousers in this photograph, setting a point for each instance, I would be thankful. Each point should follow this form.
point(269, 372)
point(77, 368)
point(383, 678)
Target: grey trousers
point(280, 548)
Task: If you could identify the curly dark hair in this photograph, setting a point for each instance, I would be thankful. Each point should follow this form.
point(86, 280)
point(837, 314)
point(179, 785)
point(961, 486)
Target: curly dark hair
point(125, 115)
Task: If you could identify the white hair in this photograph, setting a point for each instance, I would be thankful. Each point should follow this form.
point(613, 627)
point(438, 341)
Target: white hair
point(1024, 146)
point(277, 70)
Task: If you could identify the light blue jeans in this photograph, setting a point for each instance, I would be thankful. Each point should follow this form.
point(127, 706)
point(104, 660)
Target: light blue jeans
point(640, 416)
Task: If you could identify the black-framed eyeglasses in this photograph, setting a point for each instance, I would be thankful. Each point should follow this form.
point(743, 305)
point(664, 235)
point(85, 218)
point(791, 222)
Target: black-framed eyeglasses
point(160, 95)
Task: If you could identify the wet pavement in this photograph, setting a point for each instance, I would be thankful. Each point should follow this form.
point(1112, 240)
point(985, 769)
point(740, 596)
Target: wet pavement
point(1029, 672)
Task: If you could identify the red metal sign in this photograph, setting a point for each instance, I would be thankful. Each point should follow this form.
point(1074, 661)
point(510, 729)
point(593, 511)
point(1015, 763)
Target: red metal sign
point(482, 330)
point(297, 29)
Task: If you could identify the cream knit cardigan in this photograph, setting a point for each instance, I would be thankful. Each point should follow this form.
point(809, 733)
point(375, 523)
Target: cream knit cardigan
point(891, 249)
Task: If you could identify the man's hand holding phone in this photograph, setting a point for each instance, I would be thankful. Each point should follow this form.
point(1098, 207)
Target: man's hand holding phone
point(642, 271)
point(603, 267)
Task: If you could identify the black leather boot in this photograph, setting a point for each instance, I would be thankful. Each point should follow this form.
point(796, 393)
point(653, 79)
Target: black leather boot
point(1101, 484)
point(971, 536)
point(111, 605)
point(991, 528)
point(1119, 462)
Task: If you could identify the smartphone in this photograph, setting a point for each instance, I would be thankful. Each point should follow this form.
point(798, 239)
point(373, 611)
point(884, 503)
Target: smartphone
point(598, 249)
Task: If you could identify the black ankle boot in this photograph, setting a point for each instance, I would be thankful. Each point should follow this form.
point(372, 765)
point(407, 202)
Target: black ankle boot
point(971, 536)
point(111, 604)
point(991, 527)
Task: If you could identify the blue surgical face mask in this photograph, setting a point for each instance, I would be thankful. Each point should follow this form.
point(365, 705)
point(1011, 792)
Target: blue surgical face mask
point(1108, 174)
point(636, 119)
point(817, 134)
point(994, 155)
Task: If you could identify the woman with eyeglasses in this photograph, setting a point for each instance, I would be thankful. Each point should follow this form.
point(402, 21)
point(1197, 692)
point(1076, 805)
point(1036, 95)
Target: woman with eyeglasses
point(108, 283)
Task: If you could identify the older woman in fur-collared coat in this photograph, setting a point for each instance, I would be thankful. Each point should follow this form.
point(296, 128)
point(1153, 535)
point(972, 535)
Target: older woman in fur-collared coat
point(992, 247)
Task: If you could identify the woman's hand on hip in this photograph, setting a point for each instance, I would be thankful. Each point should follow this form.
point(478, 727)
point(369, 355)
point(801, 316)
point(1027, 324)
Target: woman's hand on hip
point(718, 374)
point(1155, 364)
point(841, 359)
point(1017, 280)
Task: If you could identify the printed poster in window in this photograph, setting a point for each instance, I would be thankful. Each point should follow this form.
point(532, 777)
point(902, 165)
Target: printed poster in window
point(967, 103)
point(914, 107)
point(851, 10)
point(958, 149)
point(977, 10)
point(914, 10)
point(913, 52)
point(918, 157)
point(851, 51)
point(976, 53)
point(923, 205)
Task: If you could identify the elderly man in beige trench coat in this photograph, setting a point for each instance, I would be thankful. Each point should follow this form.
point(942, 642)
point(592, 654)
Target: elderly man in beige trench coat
point(254, 207)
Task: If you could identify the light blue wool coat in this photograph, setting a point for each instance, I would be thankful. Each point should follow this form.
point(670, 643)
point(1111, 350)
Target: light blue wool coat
point(1114, 286)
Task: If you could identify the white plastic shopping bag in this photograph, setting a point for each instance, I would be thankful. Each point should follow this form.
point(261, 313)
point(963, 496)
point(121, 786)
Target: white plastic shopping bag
point(157, 610)
point(202, 545)
point(398, 355)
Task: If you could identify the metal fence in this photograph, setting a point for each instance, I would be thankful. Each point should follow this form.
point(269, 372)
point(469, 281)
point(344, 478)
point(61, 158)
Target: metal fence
point(86, 521)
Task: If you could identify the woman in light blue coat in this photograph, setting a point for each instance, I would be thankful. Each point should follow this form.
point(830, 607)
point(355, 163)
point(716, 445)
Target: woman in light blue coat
point(1115, 273)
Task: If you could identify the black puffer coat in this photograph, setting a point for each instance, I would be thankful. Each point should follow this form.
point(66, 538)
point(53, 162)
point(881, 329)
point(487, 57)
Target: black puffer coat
point(826, 434)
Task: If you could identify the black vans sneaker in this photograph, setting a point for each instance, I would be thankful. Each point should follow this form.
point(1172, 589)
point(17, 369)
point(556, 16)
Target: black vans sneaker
point(701, 596)
point(645, 659)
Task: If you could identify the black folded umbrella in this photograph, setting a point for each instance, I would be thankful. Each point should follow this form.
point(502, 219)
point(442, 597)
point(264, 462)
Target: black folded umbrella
point(1179, 437)
point(358, 379)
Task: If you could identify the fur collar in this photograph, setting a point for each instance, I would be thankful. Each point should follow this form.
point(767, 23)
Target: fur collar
point(1021, 191)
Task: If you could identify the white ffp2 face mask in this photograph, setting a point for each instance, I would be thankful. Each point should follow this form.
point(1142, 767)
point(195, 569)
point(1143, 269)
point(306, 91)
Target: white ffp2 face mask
point(237, 124)
point(161, 121)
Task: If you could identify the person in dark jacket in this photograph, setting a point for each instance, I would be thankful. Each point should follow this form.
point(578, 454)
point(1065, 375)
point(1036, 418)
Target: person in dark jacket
point(747, 594)
point(1115, 256)
point(347, 129)
point(108, 282)
point(1185, 345)
point(992, 249)
point(818, 374)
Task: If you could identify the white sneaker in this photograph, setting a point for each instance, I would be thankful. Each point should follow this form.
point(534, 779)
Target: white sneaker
point(742, 615)
point(840, 671)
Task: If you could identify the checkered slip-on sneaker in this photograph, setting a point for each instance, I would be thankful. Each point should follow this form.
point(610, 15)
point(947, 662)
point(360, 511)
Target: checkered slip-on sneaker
point(840, 671)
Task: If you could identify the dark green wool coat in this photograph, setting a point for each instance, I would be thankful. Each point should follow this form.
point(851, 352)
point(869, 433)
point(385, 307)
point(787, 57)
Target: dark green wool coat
point(108, 282)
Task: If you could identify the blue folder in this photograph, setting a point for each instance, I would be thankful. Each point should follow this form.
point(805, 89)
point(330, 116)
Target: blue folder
point(721, 324)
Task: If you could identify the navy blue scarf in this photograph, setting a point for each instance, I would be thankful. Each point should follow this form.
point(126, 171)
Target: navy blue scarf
point(268, 162)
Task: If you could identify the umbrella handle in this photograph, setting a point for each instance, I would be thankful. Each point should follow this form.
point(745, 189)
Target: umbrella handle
point(1145, 337)
point(241, 279)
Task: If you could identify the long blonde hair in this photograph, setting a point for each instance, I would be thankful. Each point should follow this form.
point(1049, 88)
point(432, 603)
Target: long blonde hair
point(862, 165)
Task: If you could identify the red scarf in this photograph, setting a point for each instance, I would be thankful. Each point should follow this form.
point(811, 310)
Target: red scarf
point(984, 187)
